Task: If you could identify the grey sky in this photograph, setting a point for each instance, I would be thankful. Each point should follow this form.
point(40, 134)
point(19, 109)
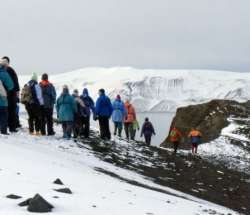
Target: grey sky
point(62, 35)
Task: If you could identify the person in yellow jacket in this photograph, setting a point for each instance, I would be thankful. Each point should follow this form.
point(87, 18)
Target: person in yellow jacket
point(135, 127)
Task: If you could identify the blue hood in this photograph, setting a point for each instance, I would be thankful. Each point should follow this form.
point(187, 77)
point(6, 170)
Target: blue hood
point(85, 92)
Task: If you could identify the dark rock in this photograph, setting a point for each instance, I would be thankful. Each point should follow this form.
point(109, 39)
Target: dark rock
point(25, 203)
point(58, 181)
point(64, 190)
point(39, 204)
point(210, 118)
point(56, 197)
point(13, 196)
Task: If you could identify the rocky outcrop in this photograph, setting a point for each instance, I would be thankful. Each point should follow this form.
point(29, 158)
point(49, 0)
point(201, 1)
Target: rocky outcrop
point(39, 205)
point(64, 190)
point(210, 118)
point(58, 181)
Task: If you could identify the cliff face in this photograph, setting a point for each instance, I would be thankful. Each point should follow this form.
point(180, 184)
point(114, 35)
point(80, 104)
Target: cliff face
point(210, 118)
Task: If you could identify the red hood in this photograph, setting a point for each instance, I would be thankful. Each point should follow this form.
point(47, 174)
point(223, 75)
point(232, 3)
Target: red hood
point(44, 83)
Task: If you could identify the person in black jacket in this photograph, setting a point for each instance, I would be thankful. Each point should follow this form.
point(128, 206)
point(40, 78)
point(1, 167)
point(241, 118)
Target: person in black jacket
point(89, 106)
point(13, 97)
point(147, 131)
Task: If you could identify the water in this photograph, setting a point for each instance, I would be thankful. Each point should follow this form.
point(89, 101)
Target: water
point(161, 122)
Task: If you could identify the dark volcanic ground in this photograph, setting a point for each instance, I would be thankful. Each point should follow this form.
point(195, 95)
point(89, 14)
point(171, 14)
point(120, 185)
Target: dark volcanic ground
point(187, 173)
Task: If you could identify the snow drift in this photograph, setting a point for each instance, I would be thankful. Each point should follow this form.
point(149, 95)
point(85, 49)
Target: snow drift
point(158, 90)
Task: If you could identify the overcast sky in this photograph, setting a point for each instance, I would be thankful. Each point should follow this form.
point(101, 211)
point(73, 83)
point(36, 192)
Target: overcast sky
point(62, 35)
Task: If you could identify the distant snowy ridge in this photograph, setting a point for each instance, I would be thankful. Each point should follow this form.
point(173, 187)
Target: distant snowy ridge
point(158, 90)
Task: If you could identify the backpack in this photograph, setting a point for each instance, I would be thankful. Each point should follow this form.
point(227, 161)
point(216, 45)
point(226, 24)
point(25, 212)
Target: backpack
point(3, 92)
point(26, 94)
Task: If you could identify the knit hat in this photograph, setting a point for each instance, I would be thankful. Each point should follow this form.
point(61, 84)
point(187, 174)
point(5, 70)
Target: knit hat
point(34, 77)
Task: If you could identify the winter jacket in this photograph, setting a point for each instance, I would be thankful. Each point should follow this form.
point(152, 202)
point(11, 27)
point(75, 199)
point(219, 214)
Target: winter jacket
point(14, 78)
point(6, 85)
point(175, 135)
point(147, 129)
point(195, 136)
point(66, 108)
point(136, 125)
point(37, 97)
point(119, 111)
point(103, 106)
point(49, 94)
point(131, 116)
point(88, 102)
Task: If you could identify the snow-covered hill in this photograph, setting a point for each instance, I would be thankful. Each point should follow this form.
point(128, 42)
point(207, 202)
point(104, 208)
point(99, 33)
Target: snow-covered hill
point(158, 90)
point(29, 165)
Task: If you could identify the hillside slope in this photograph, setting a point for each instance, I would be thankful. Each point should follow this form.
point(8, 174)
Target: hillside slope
point(158, 90)
point(29, 165)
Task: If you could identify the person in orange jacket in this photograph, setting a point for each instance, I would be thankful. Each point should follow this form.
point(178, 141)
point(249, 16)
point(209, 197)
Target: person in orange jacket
point(129, 120)
point(175, 138)
point(195, 138)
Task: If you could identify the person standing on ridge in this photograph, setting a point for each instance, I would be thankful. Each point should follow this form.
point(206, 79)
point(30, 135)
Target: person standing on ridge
point(136, 127)
point(128, 123)
point(77, 115)
point(66, 108)
point(103, 112)
point(175, 138)
point(195, 139)
point(118, 115)
point(13, 97)
point(6, 84)
point(31, 97)
point(49, 97)
point(89, 106)
point(147, 131)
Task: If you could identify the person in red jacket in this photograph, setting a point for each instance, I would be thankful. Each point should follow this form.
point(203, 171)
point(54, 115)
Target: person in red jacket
point(175, 138)
point(129, 119)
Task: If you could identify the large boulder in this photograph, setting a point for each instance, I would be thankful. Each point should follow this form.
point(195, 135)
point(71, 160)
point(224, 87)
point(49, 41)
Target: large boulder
point(210, 118)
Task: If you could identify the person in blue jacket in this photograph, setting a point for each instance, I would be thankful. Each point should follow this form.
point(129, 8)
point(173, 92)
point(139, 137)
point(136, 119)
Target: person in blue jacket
point(6, 84)
point(85, 112)
point(66, 108)
point(118, 115)
point(103, 113)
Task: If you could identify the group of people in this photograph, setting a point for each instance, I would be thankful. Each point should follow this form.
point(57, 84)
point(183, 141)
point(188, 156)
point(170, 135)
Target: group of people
point(73, 111)
point(176, 136)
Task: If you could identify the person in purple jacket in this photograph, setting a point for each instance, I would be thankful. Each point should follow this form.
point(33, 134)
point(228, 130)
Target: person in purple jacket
point(147, 131)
